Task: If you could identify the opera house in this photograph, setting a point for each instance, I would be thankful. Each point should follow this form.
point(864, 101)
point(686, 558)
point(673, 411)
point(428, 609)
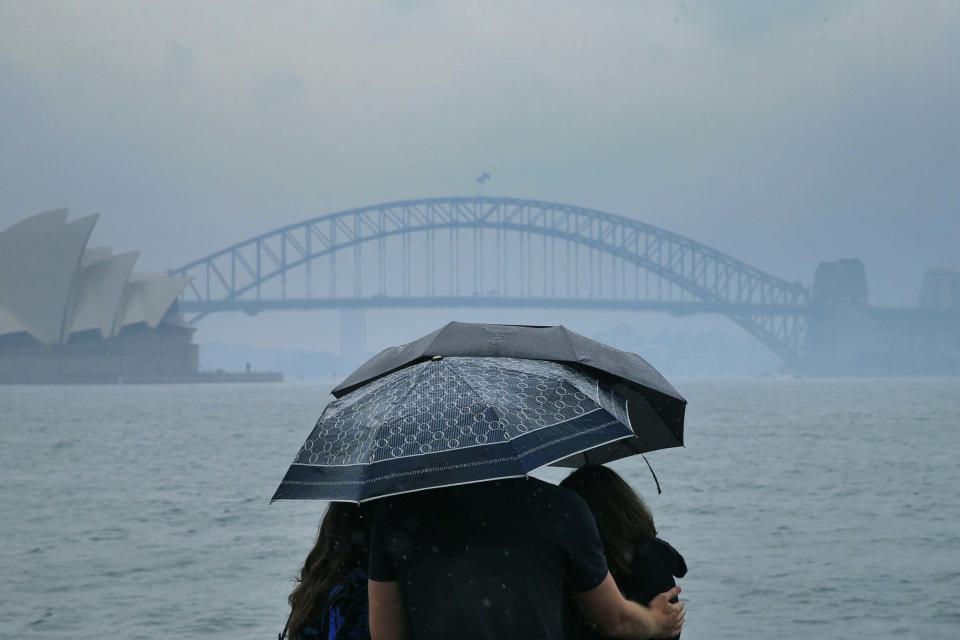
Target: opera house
point(76, 314)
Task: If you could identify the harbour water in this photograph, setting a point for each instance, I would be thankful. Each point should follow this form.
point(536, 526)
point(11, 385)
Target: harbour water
point(805, 508)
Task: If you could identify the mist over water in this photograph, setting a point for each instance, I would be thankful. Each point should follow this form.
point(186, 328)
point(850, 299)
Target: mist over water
point(823, 508)
point(784, 135)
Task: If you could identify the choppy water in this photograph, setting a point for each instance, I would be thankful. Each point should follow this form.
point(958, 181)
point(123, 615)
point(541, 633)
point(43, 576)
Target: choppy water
point(807, 508)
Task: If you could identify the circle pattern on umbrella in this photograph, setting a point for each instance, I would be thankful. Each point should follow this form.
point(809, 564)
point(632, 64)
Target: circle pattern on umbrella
point(452, 403)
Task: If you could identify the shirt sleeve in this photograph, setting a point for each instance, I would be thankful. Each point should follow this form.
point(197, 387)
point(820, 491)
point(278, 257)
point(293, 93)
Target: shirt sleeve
point(382, 567)
point(587, 565)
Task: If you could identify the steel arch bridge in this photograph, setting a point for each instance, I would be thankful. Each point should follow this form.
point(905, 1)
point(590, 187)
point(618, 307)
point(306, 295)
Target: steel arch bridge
point(495, 252)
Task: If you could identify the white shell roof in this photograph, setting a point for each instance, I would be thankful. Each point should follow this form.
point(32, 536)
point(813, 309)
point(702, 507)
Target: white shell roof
point(147, 298)
point(39, 257)
point(9, 323)
point(95, 254)
point(52, 286)
point(99, 291)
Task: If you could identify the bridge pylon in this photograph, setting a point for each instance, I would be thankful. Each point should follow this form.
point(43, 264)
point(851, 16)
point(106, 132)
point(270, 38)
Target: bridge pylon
point(353, 335)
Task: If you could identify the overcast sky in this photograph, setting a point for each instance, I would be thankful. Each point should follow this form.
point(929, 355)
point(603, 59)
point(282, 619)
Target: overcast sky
point(781, 132)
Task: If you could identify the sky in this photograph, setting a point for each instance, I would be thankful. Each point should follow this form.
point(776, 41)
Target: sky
point(783, 133)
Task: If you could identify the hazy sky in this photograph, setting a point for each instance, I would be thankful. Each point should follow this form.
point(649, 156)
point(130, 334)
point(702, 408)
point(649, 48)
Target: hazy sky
point(781, 132)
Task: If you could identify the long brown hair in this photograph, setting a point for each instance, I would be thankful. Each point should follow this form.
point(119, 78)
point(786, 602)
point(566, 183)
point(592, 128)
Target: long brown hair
point(624, 521)
point(341, 547)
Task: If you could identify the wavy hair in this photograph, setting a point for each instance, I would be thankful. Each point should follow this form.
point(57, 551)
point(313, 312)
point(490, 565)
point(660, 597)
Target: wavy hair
point(341, 547)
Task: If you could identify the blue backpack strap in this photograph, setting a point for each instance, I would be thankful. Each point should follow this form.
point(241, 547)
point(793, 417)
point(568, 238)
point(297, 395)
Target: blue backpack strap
point(346, 613)
point(332, 619)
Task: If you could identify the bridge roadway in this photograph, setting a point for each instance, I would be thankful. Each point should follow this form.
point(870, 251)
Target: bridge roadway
point(678, 308)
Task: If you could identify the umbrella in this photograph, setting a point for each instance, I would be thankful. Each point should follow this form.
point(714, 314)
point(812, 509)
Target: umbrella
point(656, 408)
point(450, 421)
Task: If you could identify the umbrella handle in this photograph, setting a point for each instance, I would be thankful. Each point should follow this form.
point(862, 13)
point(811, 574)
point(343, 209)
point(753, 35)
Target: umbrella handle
point(652, 473)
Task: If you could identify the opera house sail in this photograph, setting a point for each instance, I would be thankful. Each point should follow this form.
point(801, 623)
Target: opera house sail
point(74, 314)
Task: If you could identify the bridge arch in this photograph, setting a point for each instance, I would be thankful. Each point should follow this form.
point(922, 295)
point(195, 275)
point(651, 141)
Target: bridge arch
point(700, 278)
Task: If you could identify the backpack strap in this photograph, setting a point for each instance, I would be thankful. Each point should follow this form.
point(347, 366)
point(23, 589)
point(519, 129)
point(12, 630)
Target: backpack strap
point(348, 609)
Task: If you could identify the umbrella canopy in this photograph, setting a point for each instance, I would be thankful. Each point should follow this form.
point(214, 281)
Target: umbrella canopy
point(451, 421)
point(656, 408)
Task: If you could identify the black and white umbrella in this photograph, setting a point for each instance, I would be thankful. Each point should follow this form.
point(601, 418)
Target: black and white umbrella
point(656, 408)
point(453, 420)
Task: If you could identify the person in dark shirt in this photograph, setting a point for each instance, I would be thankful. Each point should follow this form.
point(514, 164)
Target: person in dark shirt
point(642, 564)
point(494, 560)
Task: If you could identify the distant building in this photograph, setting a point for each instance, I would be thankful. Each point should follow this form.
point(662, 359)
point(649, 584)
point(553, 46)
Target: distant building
point(69, 313)
point(941, 289)
point(848, 336)
point(838, 283)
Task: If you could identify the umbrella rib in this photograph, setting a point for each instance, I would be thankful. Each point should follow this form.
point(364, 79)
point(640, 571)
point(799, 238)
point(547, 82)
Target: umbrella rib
point(573, 349)
point(410, 387)
point(559, 378)
point(517, 367)
point(564, 377)
point(474, 389)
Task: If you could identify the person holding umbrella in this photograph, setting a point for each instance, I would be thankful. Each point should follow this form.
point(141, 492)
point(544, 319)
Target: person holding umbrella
point(441, 435)
point(495, 560)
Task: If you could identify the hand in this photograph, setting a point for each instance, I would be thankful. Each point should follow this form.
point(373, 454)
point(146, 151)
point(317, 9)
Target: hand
point(668, 616)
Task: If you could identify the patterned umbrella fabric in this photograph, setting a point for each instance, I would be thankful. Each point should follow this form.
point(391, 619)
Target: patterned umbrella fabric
point(656, 408)
point(449, 421)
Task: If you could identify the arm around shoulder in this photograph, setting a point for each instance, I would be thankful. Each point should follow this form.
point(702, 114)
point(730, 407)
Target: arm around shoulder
point(616, 617)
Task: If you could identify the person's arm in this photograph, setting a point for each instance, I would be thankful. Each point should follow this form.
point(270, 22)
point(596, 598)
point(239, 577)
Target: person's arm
point(388, 617)
point(616, 617)
point(387, 611)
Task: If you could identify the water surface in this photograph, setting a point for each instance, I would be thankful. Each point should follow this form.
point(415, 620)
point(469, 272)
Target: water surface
point(805, 508)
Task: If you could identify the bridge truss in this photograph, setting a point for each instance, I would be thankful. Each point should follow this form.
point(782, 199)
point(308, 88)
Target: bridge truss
point(486, 251)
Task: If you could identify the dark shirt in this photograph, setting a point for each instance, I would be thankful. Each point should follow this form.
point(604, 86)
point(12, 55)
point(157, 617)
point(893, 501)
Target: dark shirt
point(488, 561)
point(652, 570)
